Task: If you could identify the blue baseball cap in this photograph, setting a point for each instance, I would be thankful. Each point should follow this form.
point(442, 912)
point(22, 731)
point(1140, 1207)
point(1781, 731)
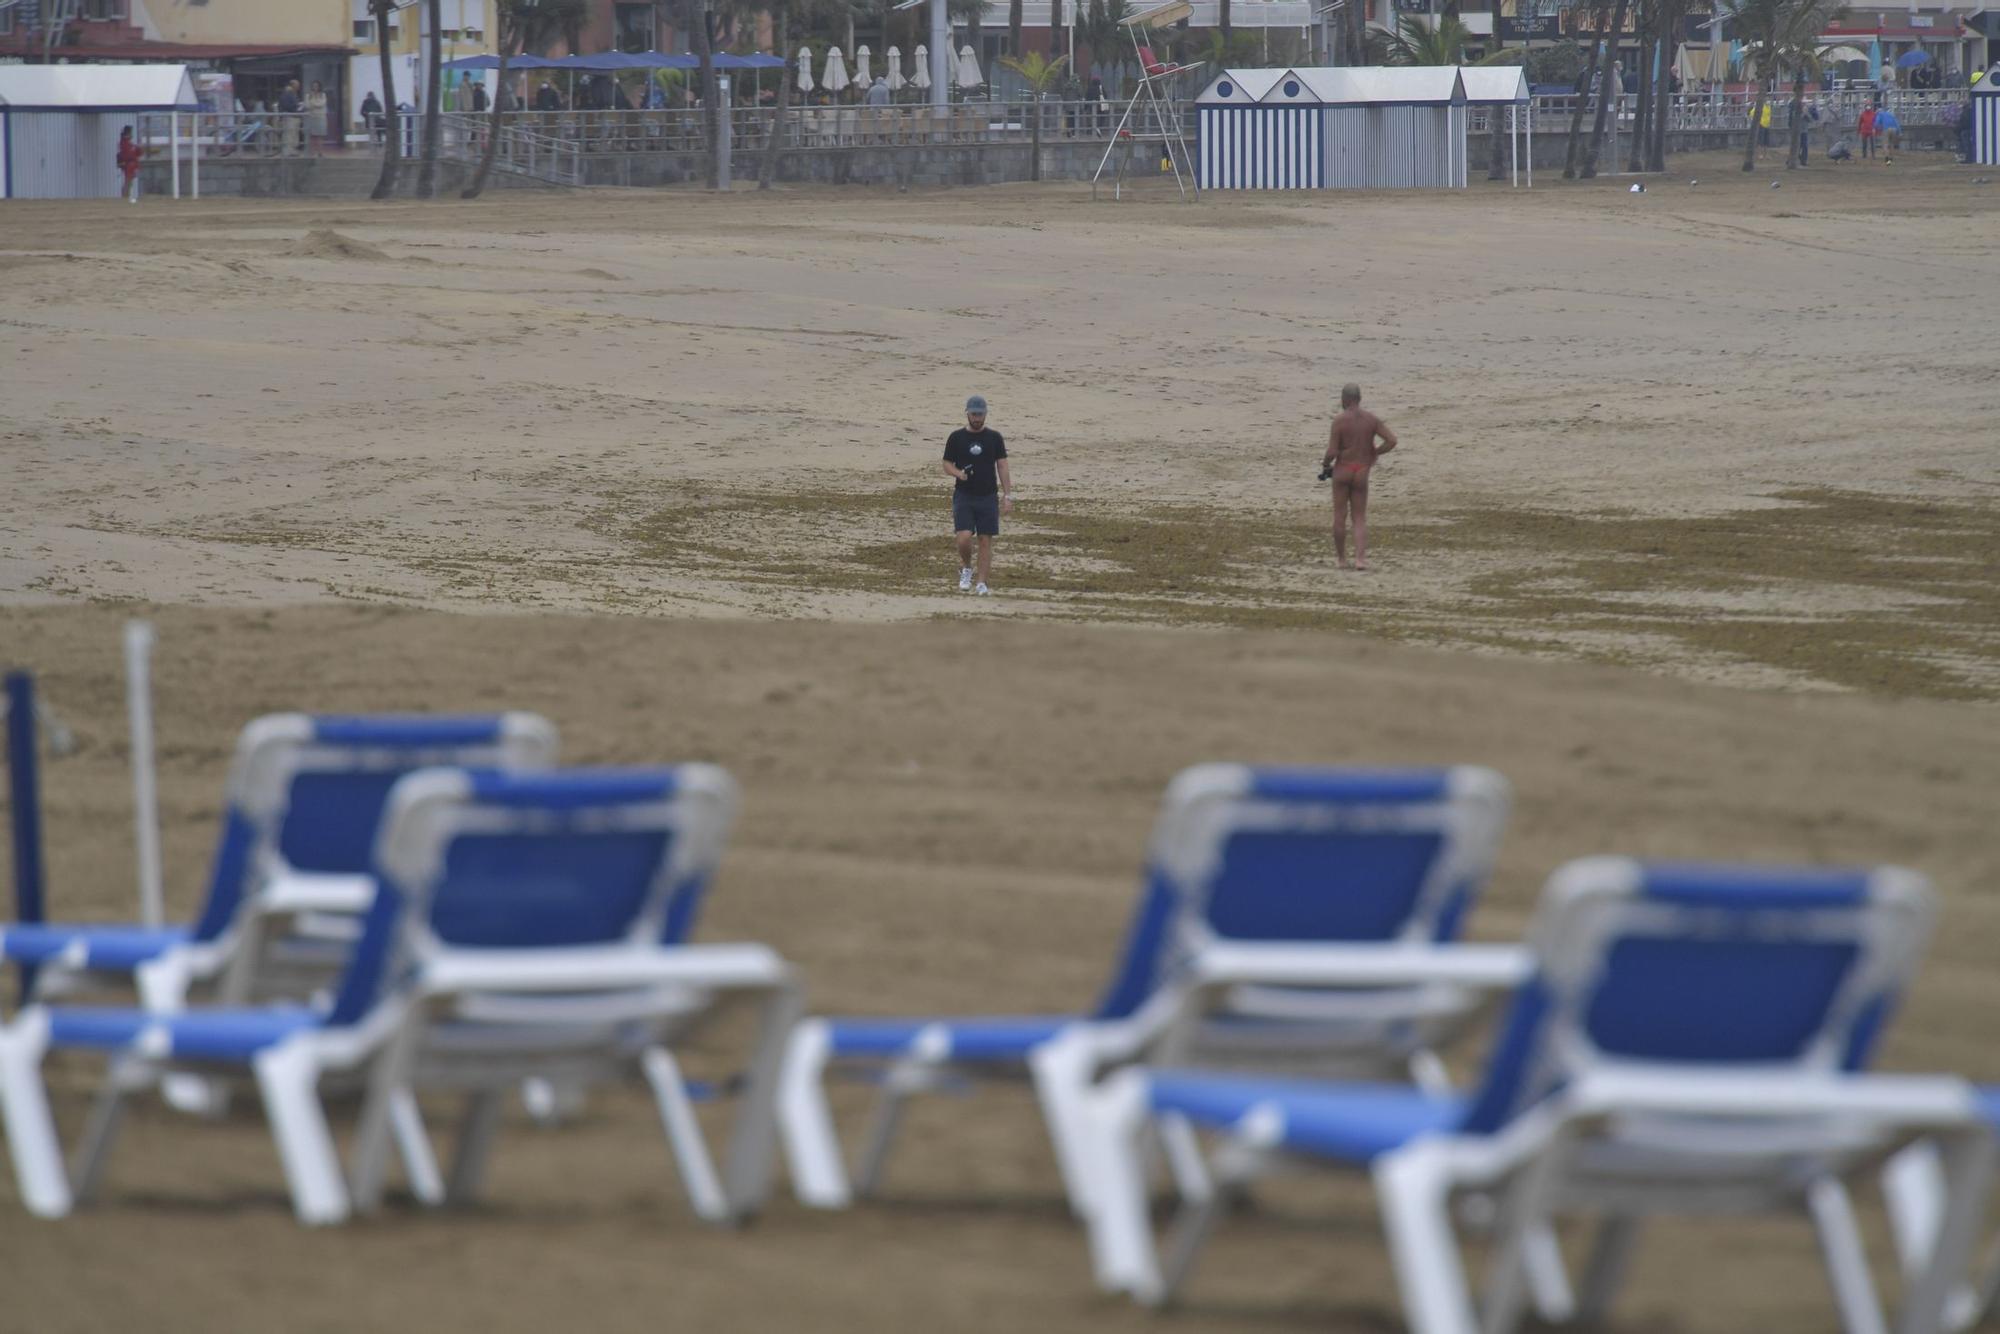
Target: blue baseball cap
point(977, 403)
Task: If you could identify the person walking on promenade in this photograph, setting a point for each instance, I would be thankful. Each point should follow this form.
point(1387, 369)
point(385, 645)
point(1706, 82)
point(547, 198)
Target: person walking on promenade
point(975, 458)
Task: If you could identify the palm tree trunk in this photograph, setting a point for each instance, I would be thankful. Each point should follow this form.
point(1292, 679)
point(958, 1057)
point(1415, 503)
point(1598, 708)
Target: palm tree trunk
point(1642, 117)
point(1756, 117)
point(495, 123)
point(1574, 152)
point(1663, 89)
point(767, 170)
point(1222, 22)
point(433, 98)
point(1603, 97)
point(392, 142)
point(1797, 158)
point(711, 93)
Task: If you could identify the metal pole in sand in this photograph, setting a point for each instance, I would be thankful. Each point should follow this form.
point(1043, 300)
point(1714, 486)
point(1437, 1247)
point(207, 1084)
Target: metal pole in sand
point(145, 802)
point(25, 806)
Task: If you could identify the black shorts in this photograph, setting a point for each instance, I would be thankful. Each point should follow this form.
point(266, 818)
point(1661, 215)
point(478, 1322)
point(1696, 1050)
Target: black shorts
point(975, 514)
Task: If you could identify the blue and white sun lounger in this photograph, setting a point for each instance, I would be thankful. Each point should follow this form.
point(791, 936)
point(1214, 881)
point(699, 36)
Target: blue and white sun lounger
point(1689, 1041)
point(524, 924)
point(304, 800)
point(1380, 865)
point(1914, 1184)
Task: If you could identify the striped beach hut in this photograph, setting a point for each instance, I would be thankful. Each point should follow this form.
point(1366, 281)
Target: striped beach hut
point(1349, 127)
point(1244, 142)
point(1986, 121)
point(59, 124)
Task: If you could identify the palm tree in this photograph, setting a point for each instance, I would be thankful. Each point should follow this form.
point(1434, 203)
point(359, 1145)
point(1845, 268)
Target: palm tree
point(433, 97)
point(392, 143)
point(509, 16)
point(1420, 41)
point(1039, 73)
point(699, 18)
point(1649, 15)
point(1778, 34)
point(767, 169)
point(1574, 153)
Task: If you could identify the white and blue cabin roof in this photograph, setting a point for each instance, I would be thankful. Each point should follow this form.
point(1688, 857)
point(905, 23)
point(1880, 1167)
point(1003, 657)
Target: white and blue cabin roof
point(1493, 85)
point(1338, 86)
point(1240, 87)
point(97, 88)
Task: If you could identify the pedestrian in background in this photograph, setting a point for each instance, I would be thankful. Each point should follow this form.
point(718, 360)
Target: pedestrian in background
point(316, 116)
point(129, 155)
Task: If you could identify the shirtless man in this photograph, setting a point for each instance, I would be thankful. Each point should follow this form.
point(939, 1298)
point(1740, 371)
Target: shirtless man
point(1350, 452)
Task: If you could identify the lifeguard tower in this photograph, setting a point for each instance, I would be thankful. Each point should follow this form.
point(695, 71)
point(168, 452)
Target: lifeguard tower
point(1149, 115)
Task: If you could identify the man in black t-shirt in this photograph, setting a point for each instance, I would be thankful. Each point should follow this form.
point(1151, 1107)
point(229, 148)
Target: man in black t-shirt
point(976, 459)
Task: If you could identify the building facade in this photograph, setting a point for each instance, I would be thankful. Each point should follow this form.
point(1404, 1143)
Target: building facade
point(244, 52)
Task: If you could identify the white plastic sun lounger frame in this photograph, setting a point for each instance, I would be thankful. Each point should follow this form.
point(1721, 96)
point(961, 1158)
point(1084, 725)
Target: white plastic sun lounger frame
point(1589, 1144)
point(386, 1045)
point(1200, 972)
point(274, 749)
point(1916, 1185)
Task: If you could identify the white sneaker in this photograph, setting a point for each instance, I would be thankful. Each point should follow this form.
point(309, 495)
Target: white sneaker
point(982, 590)
point(965, 580)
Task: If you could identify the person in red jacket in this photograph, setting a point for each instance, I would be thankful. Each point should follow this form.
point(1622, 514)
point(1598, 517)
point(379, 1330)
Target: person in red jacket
point(129, 154)
point(1866, 128)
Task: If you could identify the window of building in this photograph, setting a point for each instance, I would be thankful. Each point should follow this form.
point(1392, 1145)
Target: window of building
point(635, 26)
point(6, 20)
point(102, 10)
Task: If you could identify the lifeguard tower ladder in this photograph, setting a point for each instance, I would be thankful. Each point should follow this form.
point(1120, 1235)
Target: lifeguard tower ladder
point(1149, 117)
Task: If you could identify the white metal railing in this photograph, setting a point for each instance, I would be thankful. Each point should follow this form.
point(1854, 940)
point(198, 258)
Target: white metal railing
point(681, 131)
point(223, 134)
point(1731, 110)
point(524, 148)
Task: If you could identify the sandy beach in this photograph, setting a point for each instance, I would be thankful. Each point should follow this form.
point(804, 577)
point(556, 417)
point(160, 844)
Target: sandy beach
point(1694, 535)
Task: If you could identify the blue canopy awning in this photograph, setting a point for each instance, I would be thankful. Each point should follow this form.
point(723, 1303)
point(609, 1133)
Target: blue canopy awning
point(493, 62)
point(611, 62)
